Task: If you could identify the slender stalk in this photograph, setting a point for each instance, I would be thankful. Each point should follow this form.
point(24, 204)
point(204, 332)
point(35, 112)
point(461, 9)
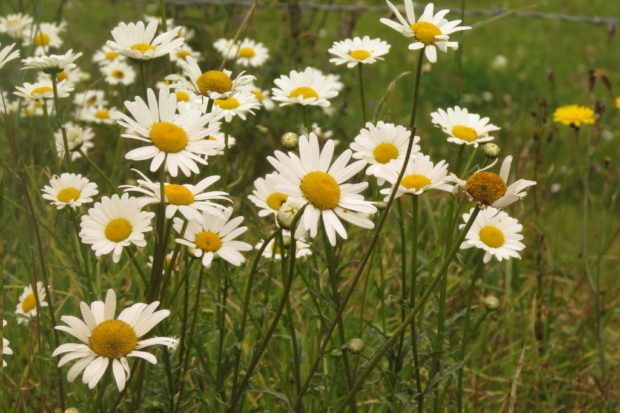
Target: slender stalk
point(59, 123)
point(398, 361)
point(143, 83)
point(362, 96)
point(412, 297)
point(221, 322)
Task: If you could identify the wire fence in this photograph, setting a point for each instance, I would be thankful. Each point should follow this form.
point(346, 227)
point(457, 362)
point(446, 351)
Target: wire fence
point(610, 22)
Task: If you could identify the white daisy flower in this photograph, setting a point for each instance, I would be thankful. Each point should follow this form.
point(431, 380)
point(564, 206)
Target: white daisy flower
point(495, 232)
point(214, 236)
point(136, 41)
point(237, 105)
point(420, 176)
point(310, 87)
point(358, 50)
point(382, 146)
point(43, 90)
point(69, 190)
point(90, 98)
point(157, 19)
point(431, 31)
point(251, 53)
point(115, 223)
point(226, 47)
point(34, 108)
point(118, 73)
point(274, 252)
point(107, 340)
point(53, 62)
point(190, 200)
point(311, 178)
point(462, 127)
point(27, 305)
point(73, 75)
point(178, 139)
point(7, 54)
point(78, 137)
point(100, 114)
point(266, 196)
point(260, 94)
point(106, 55)
point(182, 53)
point(15, 25)
point(5, 346)
point(44, 36)
point(219, 140)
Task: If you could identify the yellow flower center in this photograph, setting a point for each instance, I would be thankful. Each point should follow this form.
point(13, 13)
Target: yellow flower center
point(385, 152)
point(183, 54)
point(41, 90)
point(425, 32)
point(142, 47)
point(214, 81)
point(360, 54)
point(305, 92)
point(321, 189)
point(228, 104)
point(38, 103)
point(178, 194)
point(259, 95)
point(275, 200)
point(118, 230)
point(247, 52)
point(117, 74)
point(102, 114)
point(491, 236)
point(62, 76)
point(113, 339)
point(182, 96)
point(465, 133)
point(42, 39)
point(485, 187)
point(29, 303)
point(168, 137)
point(415, 181)
point(68, 194)
point(111, 55)
point(208, 241)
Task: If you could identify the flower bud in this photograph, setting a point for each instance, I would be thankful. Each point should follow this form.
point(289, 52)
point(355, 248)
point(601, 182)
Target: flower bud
point(286, 214)
point(355, 345)
point(289, 140)
point(491, 303)
point(491, 150)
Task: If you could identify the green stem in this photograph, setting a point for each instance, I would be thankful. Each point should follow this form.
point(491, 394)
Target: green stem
point(362, 96)
point(221, 322)
point(412, 297)
point(60, 124)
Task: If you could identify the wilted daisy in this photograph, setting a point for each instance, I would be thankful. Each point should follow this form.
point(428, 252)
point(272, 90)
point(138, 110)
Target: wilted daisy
point(251, 53)
point(53, 62)
point(237, 105)
point(214, 236)
point(106, 55)
point(273, 251)
point(44, 36)
point(574, 115)
point(358, 50)
point(226, 47)
point(495, 232)
point(69, 189)
point(190, 200)
point(78, 137)
point(15, 25)
point(183, 52)
point(266, 197)
point(136, 41)
point(5, 346)
point(118, 73)
point(90, 98)
point(177, 139)
point(43, 90)
point(310, 87)
point(7, 54)
point(107, 340)
point(420, 176)
point(431, 31)
point(382, 145)
point(100, 114)
point(115, 223)
point(462, 127)
point(27, 304)
point(311, 178)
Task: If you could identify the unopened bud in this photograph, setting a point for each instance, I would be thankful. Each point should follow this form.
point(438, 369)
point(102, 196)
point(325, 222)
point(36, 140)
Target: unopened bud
point(355, 345)
point(289, 140)
point(286, 214)
point(491, 303)
point(491, 150)
point(336, 352)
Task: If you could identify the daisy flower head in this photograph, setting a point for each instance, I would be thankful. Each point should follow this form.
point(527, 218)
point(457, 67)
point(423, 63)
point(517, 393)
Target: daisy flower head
point(73, 75)
point(7, 54)
point(214, 236)
point(274, 251)
point(118, 73)
point(100, 114)
point(27, 305)
point(178, 139)
point(310, 87)
point(495, 232)
point(183, 52)
point(430, 32)
point(114, 223)
point(266, 195)
point(462, 127)
point(69, 189)
point(312, 179)
point(382, 146)
point(5, 346)
point(43, 90)
point(137, 41)
point(78, 139)
point(33, 108)
point(15, 25)
point(52, 63)
point(108, 340)
point(219, 140)
point(226, 47)
point(420, 175)
point(90, 97)
point(251, 53)
point(574, 115)
point(358, 50)
point(261, 95)
point(106, 55)
point(238, 104)
point(44, 36)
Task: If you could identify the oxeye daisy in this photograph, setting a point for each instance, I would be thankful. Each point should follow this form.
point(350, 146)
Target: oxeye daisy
point(115, 223)
point(226, 47)
point(266, 197)
point(100, 114)
point(44, 36)
point(118, 73)
point(273, 251)
point(358, 50)
point(69, 190)
point(27, 305)
point(574, 115)
point(90, 98)
point(431, 31)
point(220, 140)
point(179, 140)
point(251, 53)
point(238, 104)
point(187, 33)
point(382, 145)
point(52, 63)
point(495, 232)
point(78, 138)
point(7, 54)
point(73, 75)
point(5, 345)
point(43, 90)
point(462, 127)
point(310, 87)
point(15, 25)
point(34, 108)
point(420, 176)
point(181, 54)
point(214, 236)
point(137, 41)
point(312, 179)
point(108, 340)
point(106, 55)
point(261, 95)
point(189, 200)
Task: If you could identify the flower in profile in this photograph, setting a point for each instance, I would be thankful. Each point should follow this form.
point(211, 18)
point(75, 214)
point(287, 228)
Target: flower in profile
point(238, 104)
point(7, 54)
point(106, 55)
point(90, 97)
point(420, 176)
point(266, 197)
point(274, 251)
point(462, 127)
point(115, 223)
point(6, 350)
point(358, 50)
point(69, 189)
point(226, 47)
point(100, 114)
point(15, 25)
point(430, 32)
point(78, 139)
point(73, 75)
point(312, 179)
point(261, 95)
point(214, 236)
point(44, 36)
point(108, 340)
point(310, 87)
point(181, 54)
point(118, 73)
point(27, 305)
point(137, 41)
point(52, 63)
point(574, 115)
point(495, 232)
point(43, 90)
point(251, 53)
point(178, 139)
